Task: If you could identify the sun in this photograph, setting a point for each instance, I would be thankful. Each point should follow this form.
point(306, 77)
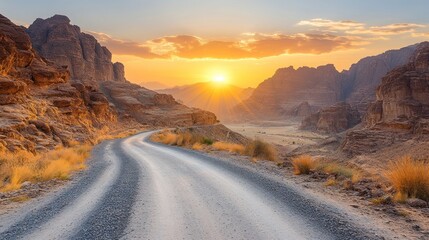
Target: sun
point(219, 78)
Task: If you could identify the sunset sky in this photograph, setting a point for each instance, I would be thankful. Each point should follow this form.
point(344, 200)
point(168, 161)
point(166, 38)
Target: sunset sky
point(186, 41)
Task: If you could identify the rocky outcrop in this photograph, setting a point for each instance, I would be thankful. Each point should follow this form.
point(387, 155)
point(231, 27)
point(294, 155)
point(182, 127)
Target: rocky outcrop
point(401, 110)
point(333, 119)
point(59, 41)
point(303, 110)
point(289, 87)
point(39, 107)
point(151, 108)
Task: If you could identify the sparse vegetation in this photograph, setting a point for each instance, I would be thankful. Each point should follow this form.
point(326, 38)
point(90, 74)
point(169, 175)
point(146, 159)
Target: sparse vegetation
point(340, 170)
point(260, 149)
point(410, 178)
point(230, 147)
point(303, 164)
point(19, 167)
point(255, 149)
point(331, 182)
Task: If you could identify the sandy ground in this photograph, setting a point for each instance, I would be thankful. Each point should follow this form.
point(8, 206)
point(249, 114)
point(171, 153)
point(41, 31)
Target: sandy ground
point(285, 133)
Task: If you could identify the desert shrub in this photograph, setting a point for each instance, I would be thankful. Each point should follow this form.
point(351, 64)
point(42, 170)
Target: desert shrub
point(410, 178)
point(303, 164)
point(261, 149)
point(207, 141)
point(230, 147)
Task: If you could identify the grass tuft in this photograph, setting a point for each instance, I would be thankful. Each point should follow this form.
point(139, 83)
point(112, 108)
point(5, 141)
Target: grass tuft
point(260, 149)
point(410, 178)
point(303, 164)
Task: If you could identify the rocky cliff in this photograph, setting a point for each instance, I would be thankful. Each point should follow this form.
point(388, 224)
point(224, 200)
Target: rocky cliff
point(90, 66)
point(362, 79)
point(289, 88)
point(59, 41)
point(401, 110)
point(39, 106)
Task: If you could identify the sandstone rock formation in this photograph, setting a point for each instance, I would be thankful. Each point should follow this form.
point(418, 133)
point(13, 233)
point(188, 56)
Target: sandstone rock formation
point(149, 107)
point(39, 107)
point(333, 119)
point(92, 70)
point(59, 41)
point(289, 87)
point(401, 111)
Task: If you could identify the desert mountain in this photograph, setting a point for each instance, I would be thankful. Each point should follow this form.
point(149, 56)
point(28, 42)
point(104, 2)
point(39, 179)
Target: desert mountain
point(401, 110)
point(43, 104)
point(214, 97)
point(91, 64)
point(289, 88)
point(322, 86)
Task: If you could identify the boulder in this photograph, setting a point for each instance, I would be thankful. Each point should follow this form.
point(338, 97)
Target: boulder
point(333, 119)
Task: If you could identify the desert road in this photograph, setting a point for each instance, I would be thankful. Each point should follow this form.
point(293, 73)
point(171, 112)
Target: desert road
point(136, 189)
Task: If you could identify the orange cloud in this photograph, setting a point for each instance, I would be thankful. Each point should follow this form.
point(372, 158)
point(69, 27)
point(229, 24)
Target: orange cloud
point(253, 45)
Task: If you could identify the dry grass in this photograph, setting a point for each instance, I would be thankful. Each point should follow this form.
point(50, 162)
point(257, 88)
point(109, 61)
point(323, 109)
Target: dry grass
point(260, 149)
point(230, 147)
point(410, 178)
point(257, 149)
point(19, 167)
point(303, 164)
point(105, 134)
point(197, 146)
point(178, 139)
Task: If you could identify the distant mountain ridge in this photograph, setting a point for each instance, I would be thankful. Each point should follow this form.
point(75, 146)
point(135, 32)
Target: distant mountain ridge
point(217, 98)
point(320, 87)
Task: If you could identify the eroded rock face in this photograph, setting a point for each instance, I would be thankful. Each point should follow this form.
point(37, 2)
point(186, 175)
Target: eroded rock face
point(39, 108)
point(288, 88)
point(362, 79)
point(401, 110)
point(333, 119)
point(59, 41)
point(151, 108)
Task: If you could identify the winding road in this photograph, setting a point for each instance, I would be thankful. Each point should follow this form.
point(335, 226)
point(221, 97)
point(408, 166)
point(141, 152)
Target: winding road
point(136, 189)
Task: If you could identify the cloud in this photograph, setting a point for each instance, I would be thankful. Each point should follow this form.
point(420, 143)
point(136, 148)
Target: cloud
point(332, 25)
point(358, 28)
point(391, 29)
point(420, 34)
point(251, 45)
